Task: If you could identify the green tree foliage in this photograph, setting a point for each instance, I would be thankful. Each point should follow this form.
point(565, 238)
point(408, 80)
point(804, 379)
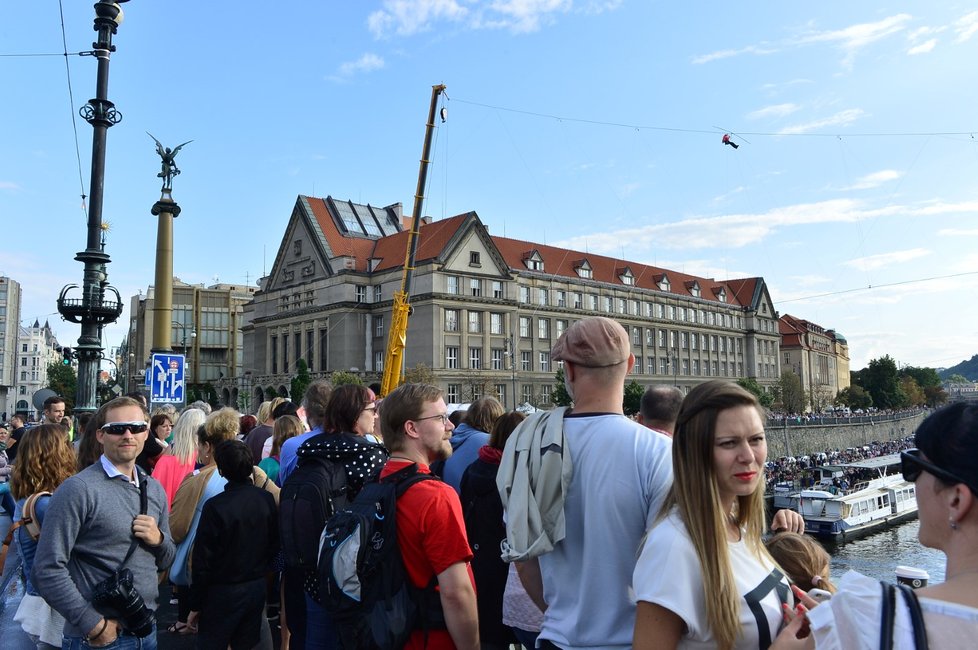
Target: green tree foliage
point(559, 395)
point(301, 381)
point(958, 379)
point(63, 381)
point(750, 384)
point(791, 393)
point(340, 377)
point(880, 380)
point(923, 376)
point(935, 396)
point(633, 398)
point(855, 397)
point(913, 394)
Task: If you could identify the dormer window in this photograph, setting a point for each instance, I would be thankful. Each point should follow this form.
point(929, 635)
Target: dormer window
point(474, 258)
point(663, 283)
point(694, 289)
point(533, 261)
point(584, 269)
point(721, 294)
point(626, 277)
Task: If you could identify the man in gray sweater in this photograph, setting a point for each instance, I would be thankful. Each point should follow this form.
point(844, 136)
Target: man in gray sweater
point(90, 523)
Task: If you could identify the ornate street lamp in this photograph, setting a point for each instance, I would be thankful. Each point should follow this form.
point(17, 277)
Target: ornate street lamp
point(93, 310)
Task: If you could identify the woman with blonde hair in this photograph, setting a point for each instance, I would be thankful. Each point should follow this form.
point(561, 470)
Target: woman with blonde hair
point(220, 426)
point(45, 461)
point(704, 578)
point(180, 457)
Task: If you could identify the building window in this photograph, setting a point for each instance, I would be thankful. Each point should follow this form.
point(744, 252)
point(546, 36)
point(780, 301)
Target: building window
point(454, 286)
point(379, 361)
point(584, 272)
point(378, 325)
point(323, 350)
point(285, 353)
point(692, 340)
point(696, 366)
point(543, 328)
point(451, 357)
point(526, 393)
point(664, 284)
point(561, 298)
point(561, 326)
point(451, 320)
point(497, 289)
point(636, 336)
point(691, 315)
point(501, 393)
point(274, 347)
point(714, 366)
point(525, 295)
point(672, 339)
point(684, 340)
point(534, 265)
point(659, 311)
point(663, 366)
point(649, 337)
point(681, 314)
point(495, 323)
point(378, 293)
point(544, 362)
point(621, 306)
point(638, 366)
point(685, 365)
point(474, 258)
point(497, 358)
point(542, 296)
point(475, 322)
point(298, 348)
point(525, 361)
point(361, 293)
point(475, 287)
point(607, 304)
point(475, 358)
point(545, 392)
point(524, 327)
point(452, 393)
point(650, 364)
point(578, 300)
point(662, 338)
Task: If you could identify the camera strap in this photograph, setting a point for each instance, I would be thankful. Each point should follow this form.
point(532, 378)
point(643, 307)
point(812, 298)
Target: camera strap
point(143, 509)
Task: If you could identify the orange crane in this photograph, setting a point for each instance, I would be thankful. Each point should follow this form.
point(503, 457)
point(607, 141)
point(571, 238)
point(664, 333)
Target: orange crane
point(397, 336)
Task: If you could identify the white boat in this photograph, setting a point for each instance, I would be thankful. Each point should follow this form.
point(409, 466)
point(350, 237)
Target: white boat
point(870, 505)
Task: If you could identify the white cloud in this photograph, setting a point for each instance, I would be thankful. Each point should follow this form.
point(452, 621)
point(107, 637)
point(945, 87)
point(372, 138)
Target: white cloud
point(726, 54)
point(628, 189)
point(842, 118)
point(874, 262)
point(366, 63)
point(703, 268)
point(875, 179)
point(9, 185)
point(776, 110)
point(522, 16)
point(726, 195)
point(923, 48)
point(856, 36)
point(406, 17)
point(966, 27)
point(958, 232)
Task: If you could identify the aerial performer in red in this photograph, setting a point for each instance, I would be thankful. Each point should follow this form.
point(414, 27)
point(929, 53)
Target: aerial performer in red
point(728, 141)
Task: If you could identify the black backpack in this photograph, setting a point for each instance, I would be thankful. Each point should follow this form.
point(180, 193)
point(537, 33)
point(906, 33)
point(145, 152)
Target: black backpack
point(362, 580)
point(313, 492)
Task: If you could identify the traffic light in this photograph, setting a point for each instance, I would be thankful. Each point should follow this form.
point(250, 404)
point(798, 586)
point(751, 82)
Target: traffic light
point(68, 355)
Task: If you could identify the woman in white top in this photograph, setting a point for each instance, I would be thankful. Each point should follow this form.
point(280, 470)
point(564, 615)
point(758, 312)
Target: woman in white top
point(704, 578)
point(944, 467)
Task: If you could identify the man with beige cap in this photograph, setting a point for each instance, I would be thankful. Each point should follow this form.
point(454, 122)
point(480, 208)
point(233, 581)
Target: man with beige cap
point(621, 472)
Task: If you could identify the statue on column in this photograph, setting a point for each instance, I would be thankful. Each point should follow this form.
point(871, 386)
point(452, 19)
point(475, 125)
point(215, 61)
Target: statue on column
point(169, 167)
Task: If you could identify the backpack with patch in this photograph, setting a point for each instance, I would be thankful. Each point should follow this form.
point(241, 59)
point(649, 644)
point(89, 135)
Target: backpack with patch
point(363, 583)
point(313, 492)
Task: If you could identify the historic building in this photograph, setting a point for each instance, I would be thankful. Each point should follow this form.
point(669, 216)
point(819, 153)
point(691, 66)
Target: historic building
point(819, 357)
point(486, 309)
point(9, 327)
point(205, 326)
point(37, 348)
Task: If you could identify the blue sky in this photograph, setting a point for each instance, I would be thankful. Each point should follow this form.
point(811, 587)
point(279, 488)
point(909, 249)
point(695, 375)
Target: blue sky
point(590, 124)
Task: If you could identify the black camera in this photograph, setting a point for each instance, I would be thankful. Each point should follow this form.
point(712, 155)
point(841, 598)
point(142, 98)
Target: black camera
point(117, 598)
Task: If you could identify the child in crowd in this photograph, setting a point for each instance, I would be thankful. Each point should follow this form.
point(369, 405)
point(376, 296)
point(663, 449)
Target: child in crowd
point(803, 559)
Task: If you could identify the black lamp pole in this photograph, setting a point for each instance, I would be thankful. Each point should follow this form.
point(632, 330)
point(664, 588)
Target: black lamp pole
point(93, 311)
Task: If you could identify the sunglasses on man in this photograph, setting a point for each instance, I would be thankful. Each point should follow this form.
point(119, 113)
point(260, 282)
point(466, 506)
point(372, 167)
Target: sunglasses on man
point(120, 428)
point(912, 463)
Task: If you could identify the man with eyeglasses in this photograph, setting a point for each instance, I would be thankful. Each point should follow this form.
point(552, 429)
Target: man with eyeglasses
point(92, 520)
point(430, 527)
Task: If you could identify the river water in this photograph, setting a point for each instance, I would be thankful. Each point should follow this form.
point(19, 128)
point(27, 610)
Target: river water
point(879, 554)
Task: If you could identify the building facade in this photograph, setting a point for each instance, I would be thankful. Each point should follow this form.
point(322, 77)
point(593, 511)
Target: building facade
point(9, 330)
point(206, 325)
point(37, 348)
point(818, 356)
point(486, 310)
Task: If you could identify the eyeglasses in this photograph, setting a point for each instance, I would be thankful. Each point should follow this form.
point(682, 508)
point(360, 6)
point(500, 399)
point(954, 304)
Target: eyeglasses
point(120, 428)
point(912, 464)
point(442, 416)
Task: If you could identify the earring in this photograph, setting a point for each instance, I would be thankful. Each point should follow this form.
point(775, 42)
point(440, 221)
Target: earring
point(954, 524)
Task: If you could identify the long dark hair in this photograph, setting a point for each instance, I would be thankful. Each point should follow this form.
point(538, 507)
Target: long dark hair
point(949, 438)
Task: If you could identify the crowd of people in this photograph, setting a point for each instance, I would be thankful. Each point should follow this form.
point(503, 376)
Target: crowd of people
point(572, 528)
point(838, 415)
point(792, 472)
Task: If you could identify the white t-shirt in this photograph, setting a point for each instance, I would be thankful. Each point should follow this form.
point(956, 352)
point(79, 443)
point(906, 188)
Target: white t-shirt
point(622, 472)
point(668, 574)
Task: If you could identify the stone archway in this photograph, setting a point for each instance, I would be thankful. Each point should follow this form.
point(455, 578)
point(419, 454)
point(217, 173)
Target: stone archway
point(226, 397)
point(283, 391)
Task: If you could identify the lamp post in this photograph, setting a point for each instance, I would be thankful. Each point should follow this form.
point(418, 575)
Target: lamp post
point(93, 311)
point(511, 353)
point(183, 344)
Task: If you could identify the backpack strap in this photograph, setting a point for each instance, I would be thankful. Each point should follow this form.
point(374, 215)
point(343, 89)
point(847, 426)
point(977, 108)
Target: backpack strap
point(887, 607)
point(7, 541)
point(916, 617)
point(29, 515)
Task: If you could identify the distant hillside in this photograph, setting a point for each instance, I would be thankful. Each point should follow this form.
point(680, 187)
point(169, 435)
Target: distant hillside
point(968, 369)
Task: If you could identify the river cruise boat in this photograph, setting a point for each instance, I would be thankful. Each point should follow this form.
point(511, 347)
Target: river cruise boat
point(834, 511)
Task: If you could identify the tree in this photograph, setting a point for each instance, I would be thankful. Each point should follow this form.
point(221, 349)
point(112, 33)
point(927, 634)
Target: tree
point(476, 386)
point(924, 376)
point(301, 381)
point(855, 397)
point(340, 377)
point(913, 394)
point(935, 396)
point(420, 374)
point(791, 393)
point(633, 398)
point(63, 381)
point(819, 397)
point(879, 379)
point(958, 379)
point(559, 395)
point(750, 384)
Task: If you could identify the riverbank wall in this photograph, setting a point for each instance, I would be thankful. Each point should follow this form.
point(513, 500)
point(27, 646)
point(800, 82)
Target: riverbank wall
point(787, 438)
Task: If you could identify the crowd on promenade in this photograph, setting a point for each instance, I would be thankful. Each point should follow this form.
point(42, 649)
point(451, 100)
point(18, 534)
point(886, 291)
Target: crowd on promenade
point(840, 416)
point(502, 526)
point(798, 470)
